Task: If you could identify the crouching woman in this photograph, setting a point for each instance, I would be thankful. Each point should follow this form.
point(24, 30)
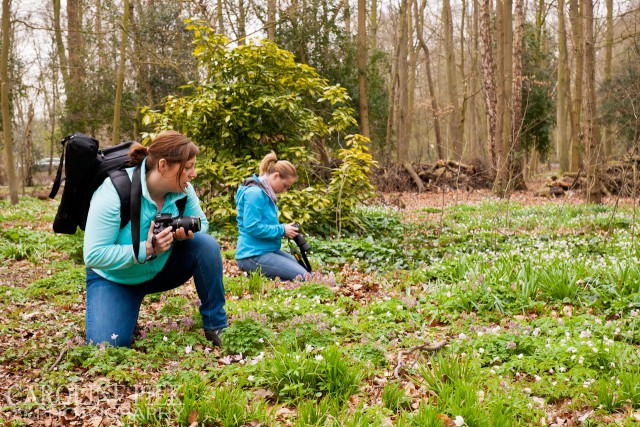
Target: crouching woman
point(117, 278)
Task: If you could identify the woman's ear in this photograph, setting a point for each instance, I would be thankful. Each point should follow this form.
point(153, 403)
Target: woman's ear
point(162, 166)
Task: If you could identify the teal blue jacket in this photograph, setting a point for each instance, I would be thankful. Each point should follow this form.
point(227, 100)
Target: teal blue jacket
point(259, 230)
point(108, 249)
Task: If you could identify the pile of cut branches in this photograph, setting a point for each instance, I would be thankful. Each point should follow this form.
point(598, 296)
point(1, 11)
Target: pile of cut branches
point(618, 177)
point(443, 174)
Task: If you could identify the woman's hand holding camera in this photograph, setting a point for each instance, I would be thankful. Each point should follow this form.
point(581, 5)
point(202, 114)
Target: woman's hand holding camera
point(291, 230)
point(162, 241)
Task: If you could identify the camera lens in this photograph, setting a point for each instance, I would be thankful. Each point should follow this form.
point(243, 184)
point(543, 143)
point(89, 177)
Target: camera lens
point(302, 242)
point(189, 223)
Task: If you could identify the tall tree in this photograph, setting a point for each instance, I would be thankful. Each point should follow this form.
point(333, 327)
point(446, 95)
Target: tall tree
point(219, 17)
point(563, 86)
point(476, 139)
point(76, 99)
point(271, 20)
point(115, 136)
point(363, 100)
point(489, 80)
point(62, 57)
point(433, 100)
point(373, 25)
point(5, 96)
point(575, 14)
point(28, 143)
point(502, 172)
point(593, 155)
point(403, 83)
point(608, 53)
point(516, 157)
point(455, 140)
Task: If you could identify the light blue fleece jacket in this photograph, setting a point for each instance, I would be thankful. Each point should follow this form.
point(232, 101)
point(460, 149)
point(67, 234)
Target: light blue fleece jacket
point(108, 250)
point(259, 230)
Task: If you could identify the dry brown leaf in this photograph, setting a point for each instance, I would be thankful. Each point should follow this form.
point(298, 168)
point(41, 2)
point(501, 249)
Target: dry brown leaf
point(264, 393)
point(446, 420)
point(193, 417)
point(95, 421)
point(285, 412)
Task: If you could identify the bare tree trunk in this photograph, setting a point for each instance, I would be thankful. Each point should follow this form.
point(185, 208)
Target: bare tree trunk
point(102, 59)
point(5, 96)
point(577, 40)
point(593, 158)
point(62, 57)
point(503, 184)
point(411, 82)
point(561, 130)
point(347, 17)
point(463, 80)
point(52, 117)
point(373, 25)
point(502, 172)
point(28, 142)
point(362, 68)
point(403, 84)
point(489, 79)
point(271, 20)
point(608, 52)
point(115, 136)
point(144, 88)
point(393, 91)
point(516, 157)
point(454, 118)
point(242, 22)
point(76, 101)
point(476, 149)
point(433, 100)
point(219, 17)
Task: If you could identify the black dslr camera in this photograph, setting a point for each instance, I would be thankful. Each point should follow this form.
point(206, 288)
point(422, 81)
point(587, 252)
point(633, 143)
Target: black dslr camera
point(300, 240)
point(303, 246)
point(189, 223)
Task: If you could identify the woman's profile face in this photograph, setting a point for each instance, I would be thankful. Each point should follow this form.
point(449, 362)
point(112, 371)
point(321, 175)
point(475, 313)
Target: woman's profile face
point(280, 184)
point(186, 176)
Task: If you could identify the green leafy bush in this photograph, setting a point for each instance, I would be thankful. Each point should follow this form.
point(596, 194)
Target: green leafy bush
point(255, 98)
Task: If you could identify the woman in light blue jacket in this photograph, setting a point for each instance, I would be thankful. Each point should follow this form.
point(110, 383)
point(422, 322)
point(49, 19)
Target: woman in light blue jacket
point(118, 279)
point(259, 230)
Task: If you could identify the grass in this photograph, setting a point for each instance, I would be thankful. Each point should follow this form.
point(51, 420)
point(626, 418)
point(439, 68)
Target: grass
point(540, 306)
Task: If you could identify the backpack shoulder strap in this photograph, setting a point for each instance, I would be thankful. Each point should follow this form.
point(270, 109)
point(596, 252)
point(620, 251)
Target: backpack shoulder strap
point(136, 197)
point(122, 183)
point(58, 179)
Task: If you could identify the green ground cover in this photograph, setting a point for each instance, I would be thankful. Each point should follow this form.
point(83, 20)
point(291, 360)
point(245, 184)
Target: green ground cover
point(538, 305)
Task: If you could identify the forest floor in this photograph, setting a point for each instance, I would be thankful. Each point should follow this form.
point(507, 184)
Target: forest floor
point(47, 377)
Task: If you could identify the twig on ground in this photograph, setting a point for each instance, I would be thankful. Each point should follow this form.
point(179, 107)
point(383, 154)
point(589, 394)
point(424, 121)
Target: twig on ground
point(64, 350)
point(423, 347)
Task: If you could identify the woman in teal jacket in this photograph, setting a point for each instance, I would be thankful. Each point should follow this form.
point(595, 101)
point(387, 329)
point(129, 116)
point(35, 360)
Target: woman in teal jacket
point(118, 279)
point(259, 230)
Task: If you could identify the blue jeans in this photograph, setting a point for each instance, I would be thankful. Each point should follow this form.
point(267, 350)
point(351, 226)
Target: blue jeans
point(112, 308)
point(274, 264)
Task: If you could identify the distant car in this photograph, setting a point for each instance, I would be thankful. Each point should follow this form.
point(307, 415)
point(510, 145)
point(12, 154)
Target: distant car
point(43, 164)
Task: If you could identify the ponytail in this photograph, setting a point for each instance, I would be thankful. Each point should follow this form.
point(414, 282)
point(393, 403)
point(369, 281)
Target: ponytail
point(270, 164)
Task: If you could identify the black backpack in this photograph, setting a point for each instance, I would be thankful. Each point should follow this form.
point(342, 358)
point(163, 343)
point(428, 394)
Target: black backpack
point(86, 166)
point(85, 169)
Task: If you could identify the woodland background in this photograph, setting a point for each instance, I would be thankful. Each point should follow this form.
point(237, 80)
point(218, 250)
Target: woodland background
point(500, 86)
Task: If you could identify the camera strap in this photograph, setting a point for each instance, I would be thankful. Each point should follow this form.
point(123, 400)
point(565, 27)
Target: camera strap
point(301, 256)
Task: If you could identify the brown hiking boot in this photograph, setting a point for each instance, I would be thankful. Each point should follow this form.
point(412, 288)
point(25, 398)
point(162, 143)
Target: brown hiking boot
point(213, 335)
